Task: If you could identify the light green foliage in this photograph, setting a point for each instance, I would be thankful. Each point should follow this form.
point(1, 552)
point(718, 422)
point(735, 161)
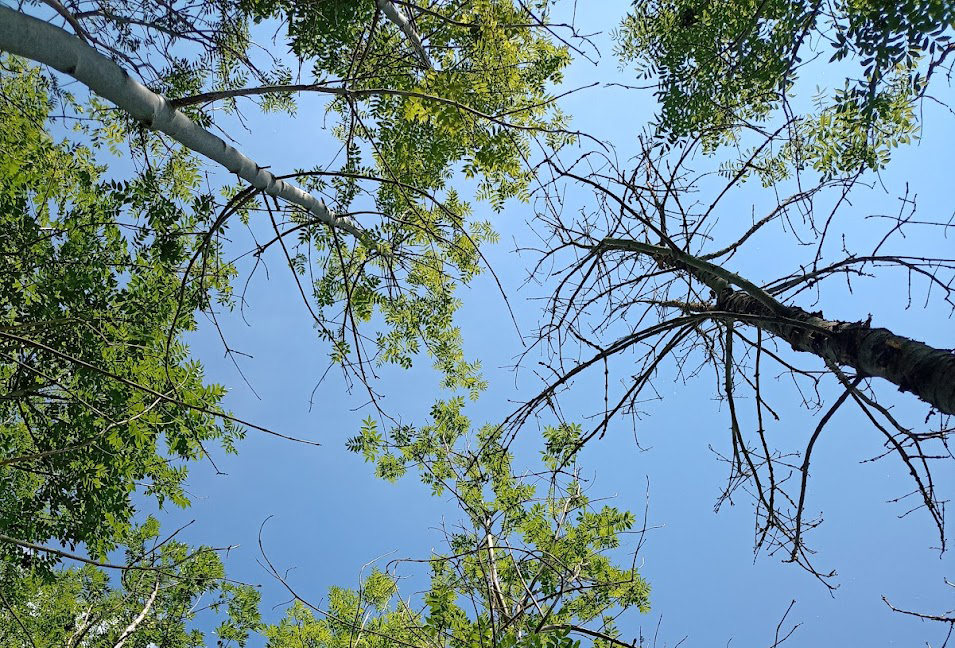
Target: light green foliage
point(99, 280)
point(836, 138)
point(533, 556)
point(100, 396)
point(166, 583)
point(725, 66)
point(405, 130)
point(364, 618)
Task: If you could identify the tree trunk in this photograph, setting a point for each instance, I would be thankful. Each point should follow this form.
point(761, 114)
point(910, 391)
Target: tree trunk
point(38, 41)
point(913, 366)
point(134, 624)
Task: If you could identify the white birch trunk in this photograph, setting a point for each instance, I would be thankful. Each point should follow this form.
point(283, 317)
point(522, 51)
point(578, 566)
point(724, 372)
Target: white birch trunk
point(497, 596)
point(39, 41)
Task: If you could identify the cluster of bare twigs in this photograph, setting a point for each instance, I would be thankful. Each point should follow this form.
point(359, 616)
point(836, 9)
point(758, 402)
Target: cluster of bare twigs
point(646, 285)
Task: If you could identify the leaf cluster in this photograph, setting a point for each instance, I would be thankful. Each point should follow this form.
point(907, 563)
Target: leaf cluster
point(100, 397)
point(533, 554)
point(720, 68)
point(165, 585)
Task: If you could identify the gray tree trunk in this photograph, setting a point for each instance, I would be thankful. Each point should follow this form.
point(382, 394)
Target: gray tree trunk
point(912, 366)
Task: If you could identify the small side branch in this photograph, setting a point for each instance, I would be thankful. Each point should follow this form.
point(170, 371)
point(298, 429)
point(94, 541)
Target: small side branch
point(69, 18)
point(948, 618)
point(941, 618)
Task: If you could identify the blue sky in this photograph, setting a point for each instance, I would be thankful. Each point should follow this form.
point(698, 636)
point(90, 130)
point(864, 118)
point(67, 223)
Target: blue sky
point(330, 516)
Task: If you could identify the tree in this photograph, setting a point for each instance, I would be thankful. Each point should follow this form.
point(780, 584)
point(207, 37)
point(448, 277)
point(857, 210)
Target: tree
point(721, 69)
point(532, 563)
point(647, 270)
point(164, 585)
point(402, 129)
point(103, 276)
point(404, 124)
point(99, 393)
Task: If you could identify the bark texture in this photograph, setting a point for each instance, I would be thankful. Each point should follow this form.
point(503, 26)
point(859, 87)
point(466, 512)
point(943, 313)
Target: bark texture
point(913, 366)
point(39, 41)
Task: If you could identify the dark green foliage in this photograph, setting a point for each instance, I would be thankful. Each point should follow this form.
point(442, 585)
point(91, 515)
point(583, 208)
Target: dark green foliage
point(340, 24)
point(726, 66)
point(99, 397)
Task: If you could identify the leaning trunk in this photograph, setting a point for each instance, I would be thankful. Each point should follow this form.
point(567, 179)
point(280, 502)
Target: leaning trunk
point(913, 366)
point(36, 40)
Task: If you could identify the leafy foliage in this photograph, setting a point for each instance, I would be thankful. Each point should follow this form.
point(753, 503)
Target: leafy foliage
point(100, 396)
point(100, 279)
point(158, 596)
point(404, 129)
point(721, 67)
point(533, 564)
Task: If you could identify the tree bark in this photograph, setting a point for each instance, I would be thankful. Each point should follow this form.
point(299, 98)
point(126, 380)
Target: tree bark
point(912, 366)
point(39, 41)
point(134, 624)
point(394, 14)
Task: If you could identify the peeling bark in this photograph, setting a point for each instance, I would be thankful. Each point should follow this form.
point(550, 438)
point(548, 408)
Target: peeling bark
point(912, 366)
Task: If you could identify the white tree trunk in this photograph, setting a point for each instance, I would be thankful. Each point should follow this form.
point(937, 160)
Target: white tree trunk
point(39, 41)
point(134, 624)
point(394, 14)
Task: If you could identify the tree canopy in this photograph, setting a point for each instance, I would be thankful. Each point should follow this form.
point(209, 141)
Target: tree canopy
point(720, 69)
point(140, 197)
point(101, 394)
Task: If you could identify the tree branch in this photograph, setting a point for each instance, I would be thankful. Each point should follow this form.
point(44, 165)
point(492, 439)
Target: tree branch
point(913, 366)
point(39, 41)
point(131, 628)
point(69, 18)
point(395, 15)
